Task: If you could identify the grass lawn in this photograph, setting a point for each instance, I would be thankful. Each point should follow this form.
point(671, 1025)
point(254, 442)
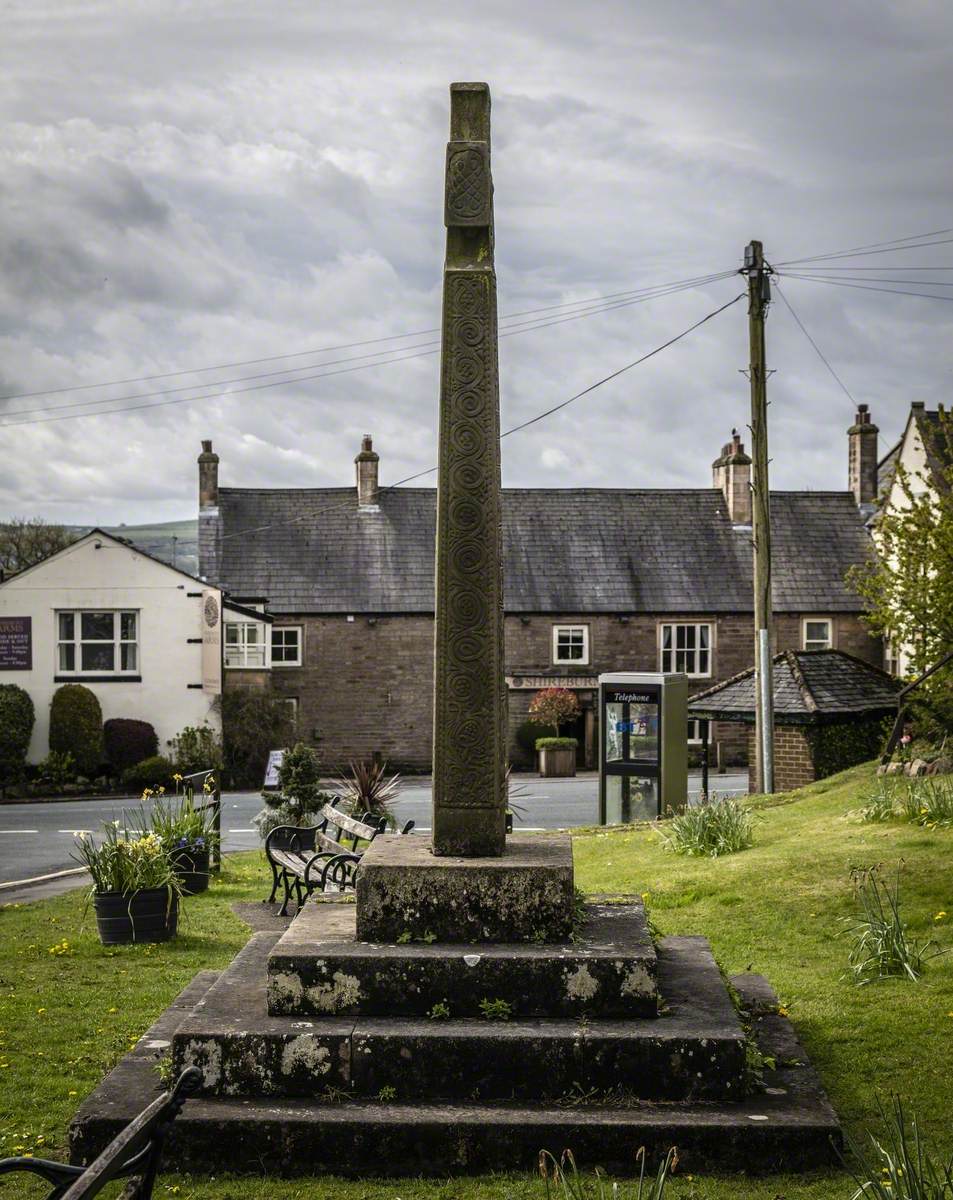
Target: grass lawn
point(69, 1007)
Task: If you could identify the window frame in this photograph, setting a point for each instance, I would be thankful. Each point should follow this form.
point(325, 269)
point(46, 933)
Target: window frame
point(584, 659)
point(696, 722)
point(242, 644)
point(117, 641)
point(299, 660)
point(814, 642)
point(674, 650)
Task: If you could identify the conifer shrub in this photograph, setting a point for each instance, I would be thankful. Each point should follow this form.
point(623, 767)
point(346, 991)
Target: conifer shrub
point(17, 717)
point(128, 742)
point(76, 727)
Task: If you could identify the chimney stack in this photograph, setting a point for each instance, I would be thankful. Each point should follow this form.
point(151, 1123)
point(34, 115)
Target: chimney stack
point(366, 463)
point(208, 477)
point(862, 457)
point(731, 472)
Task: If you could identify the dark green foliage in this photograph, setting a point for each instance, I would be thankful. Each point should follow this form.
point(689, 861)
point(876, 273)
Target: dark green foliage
point(529, 732)
point(299, 797)
point(369, 789)
point(76, 727)
point(899, 1165)
point(152, 772)
point(844, 744)
point(253, 723)
point(16, 728)
point(556, 743)
point(128, 742)
point(196, 748)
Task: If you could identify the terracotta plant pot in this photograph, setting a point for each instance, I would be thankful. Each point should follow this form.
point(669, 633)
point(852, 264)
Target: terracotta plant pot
point(151, 915)
point(191, 866)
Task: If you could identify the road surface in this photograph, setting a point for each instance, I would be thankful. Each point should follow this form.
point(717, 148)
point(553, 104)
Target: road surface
point(37, 839)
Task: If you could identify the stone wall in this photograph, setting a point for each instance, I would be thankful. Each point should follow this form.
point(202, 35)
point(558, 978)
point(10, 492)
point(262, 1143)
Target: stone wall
point(366, 684)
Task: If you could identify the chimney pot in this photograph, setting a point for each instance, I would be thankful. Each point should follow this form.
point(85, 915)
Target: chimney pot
point(367, 474)
point(862, 457)
point(208, 477)
point(732, 474)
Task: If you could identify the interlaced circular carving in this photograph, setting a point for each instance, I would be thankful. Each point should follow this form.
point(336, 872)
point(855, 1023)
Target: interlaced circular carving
point(469, 331)
point(467, 369)
point(466, 440)
point(469, 477)
point(469, 608)
point(470, 403)
point(467, 556)
point(467, 647)
point(467, 296)
point(466, 515)
point(466, 183)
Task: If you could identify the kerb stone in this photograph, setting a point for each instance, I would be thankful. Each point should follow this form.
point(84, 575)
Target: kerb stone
point(405, 892)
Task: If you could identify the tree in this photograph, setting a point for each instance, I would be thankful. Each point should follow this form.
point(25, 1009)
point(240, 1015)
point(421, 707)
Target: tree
point(908, 584)
point(555, 706)
point(27, 540)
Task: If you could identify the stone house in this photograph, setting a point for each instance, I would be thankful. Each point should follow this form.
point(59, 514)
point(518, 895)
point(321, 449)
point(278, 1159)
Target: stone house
point(596, 580)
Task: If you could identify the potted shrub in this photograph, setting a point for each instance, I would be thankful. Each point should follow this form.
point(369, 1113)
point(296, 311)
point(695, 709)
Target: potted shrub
point(555, 706)
point(186, 833)
point(135, 890)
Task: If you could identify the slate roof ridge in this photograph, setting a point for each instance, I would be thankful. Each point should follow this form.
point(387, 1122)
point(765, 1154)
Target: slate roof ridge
point(810, 703)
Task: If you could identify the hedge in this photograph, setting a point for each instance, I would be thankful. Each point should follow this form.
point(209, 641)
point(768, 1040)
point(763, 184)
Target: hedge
point(128, 742)
point(154, 772)
point(556, 743)
point(16, 728)
point(76, 727)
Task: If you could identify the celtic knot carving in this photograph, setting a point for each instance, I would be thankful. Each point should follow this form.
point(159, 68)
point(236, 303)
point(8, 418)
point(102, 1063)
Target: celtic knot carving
point(469, 711)
point(468, 184)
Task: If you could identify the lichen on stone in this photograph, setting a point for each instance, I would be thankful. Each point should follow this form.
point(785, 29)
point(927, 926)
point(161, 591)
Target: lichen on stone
point(341, 993)
point(581, 984)
point(307, 1052)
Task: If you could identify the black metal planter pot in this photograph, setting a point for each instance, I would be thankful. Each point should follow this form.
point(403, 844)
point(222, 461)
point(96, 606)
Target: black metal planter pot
point(191, 866)
point(151, 915)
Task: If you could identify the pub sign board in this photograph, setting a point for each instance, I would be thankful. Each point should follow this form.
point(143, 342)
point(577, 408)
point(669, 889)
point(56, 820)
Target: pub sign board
point(16, 643)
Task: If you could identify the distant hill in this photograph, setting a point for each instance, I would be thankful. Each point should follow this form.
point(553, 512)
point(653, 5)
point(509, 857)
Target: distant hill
point(174, 542)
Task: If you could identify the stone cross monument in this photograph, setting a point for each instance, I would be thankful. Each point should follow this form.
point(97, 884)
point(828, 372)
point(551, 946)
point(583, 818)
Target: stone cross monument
point(469, 786)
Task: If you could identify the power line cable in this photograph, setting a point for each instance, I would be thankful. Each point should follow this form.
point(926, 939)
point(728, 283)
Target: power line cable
point(914, 237)
point(863, 253)
point(249, 362)
point(820, 354)
point(396, 356)
point(514, 429)
point(865, 287)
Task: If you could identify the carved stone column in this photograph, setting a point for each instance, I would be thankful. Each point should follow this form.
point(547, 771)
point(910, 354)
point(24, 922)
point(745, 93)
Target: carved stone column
point(469, 788)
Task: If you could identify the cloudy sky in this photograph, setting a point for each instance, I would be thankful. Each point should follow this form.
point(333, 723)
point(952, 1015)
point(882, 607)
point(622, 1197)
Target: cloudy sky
point(190, 186)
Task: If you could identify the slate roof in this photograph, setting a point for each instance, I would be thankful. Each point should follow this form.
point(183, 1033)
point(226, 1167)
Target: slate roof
point(809, 686)
point(576, 550)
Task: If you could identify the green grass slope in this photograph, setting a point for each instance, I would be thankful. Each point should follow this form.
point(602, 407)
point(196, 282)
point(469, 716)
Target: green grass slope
point(69, 1007)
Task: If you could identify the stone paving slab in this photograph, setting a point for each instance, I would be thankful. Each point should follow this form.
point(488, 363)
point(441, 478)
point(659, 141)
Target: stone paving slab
point(790, 1126)
point(319, 967)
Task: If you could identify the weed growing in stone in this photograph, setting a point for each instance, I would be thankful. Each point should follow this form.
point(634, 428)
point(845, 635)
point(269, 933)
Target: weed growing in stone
point(409, 936)
point(710, 830)
point(881, 948)
point(563, 1179)
point(440, 1011)
point(496, 1010)
point(899, 1166)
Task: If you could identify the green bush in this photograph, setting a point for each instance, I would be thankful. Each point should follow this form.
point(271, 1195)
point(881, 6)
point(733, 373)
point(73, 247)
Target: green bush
point(16, 728)
point(196, 748)
point(76, 727)
point(844, 744)
point(529, 733)
point(154, 772)
point(710, 830)
point(556, 743)
point(56, 770)
point(299, 797)
point(253, 723)
point(128, 742)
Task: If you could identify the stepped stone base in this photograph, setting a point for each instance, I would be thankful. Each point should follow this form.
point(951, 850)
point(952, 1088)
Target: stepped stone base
point(404, 890)
point(319, 968)
point(788, 1126)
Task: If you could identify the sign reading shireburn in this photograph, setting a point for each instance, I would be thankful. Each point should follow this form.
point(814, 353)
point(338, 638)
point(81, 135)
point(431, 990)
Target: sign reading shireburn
point(469, 785)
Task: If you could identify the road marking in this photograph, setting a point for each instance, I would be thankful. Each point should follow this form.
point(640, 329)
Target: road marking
point(16, 883)
point(241, 830)
point(19, 831)
point(77, 832)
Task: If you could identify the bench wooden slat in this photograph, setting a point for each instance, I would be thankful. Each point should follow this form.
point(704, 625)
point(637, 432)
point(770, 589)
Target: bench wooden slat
point(349, 824)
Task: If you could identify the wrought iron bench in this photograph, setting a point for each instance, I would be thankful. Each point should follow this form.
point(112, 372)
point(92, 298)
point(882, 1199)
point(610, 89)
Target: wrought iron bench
point(323, 857)
point(133, 1155)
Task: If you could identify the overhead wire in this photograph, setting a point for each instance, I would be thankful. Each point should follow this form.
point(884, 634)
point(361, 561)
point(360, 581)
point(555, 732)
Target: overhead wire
point(514, 429)
point(870, 246)
point(820, 354)
point(864, 287)
point(569, 304)
point(421, 350)
point(863, 253)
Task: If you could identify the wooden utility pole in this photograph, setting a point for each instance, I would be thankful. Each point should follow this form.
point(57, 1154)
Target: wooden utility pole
point(759, 297)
